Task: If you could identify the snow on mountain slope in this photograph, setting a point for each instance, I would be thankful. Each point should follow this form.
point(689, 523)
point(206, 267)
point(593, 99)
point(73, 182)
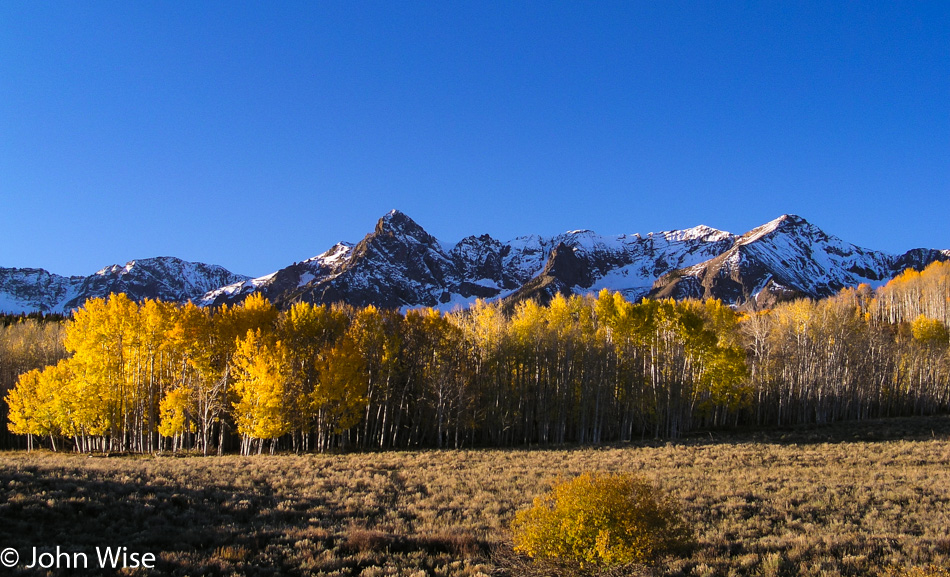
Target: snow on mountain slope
point(636, 262)
point(34, 289)
point(400, 265)
point(628, 264)
point(802, 255)
point(274, 285)
point(785, 258)
point(165, 278)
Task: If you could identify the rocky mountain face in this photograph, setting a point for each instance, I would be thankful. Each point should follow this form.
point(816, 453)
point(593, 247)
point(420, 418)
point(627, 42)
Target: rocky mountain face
point(400, 265)
point(787, 258)
point(165, 278)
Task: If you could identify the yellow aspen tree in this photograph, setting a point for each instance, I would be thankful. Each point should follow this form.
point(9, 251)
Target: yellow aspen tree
point(484, 332)
point(722, 386)
point(156, 367)
point(261, 374)
point(438, 367)
point(103, 339)
point(308, 331)
point(339, 398)
point(32, 410)
point(198, 357)
point(176, 412)
point(254, 313)
point(378, 337)
point(930, 332)
point(617, 320)
point(42, 405)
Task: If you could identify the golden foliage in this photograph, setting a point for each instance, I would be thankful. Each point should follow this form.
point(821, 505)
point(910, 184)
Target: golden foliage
point(603, 520)
point(261, 368)
point(176, 410)
point(929, 331)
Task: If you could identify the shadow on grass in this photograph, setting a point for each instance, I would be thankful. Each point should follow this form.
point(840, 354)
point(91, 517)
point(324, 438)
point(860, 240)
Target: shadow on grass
point(871, 431)
point(67, 509)
point(215, 526)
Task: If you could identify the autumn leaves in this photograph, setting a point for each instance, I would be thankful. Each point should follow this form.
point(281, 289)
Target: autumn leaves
point(156, 376)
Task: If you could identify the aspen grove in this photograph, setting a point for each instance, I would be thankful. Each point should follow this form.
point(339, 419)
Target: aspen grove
point(156, 376)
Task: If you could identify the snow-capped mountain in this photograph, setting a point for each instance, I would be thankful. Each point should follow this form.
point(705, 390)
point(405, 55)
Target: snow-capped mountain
point(786, 258)
point(165, 278)
point(400, 265)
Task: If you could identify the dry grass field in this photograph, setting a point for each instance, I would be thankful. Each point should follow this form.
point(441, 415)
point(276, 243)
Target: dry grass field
point(867, 499)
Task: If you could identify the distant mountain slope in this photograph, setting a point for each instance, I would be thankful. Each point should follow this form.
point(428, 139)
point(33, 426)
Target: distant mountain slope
point(400, 265)
point(165, 278)
point(785, 258)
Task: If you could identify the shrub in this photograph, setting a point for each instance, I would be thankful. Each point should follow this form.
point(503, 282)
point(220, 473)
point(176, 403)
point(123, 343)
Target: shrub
point(601, 520)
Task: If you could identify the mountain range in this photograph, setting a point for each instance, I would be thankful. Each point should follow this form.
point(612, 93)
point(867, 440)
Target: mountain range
point(400, 265)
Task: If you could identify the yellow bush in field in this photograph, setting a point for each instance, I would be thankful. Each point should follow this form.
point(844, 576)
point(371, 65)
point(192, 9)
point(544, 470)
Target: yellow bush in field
point(601, 520)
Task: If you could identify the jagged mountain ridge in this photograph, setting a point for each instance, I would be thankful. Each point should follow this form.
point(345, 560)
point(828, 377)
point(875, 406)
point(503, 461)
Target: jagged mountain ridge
point(400, 265)
point(787, 258)
point(165, 278)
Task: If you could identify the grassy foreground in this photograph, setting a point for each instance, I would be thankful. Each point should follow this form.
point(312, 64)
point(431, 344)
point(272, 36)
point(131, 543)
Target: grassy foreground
point(844, 500)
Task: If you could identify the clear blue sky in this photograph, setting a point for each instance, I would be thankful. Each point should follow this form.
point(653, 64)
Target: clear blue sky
point(253, 135)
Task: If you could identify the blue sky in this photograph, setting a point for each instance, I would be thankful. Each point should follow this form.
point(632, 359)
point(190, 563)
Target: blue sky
point(253, 135)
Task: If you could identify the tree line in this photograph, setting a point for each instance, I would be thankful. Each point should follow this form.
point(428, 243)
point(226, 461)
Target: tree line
point(582, 369)
point(26, 342)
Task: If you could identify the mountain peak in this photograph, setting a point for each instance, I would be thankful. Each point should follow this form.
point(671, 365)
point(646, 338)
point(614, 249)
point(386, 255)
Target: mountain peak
point(337, 253)
point(401, 265)
point(786, 258)
point(396, 218)
point(787, 221)
point(398, 222)
point(784, 223)
point(700, 232)
point(165, 278)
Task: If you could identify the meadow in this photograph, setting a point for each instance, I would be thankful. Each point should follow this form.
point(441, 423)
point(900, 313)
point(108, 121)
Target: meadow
point(871, 498)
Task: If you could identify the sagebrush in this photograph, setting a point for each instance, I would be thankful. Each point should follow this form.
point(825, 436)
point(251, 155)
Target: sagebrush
point(603, 520)
point(859, 500)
